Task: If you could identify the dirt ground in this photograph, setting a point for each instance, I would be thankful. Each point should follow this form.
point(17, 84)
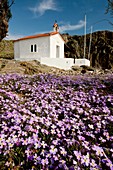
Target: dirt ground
point(30, 67)
point(34, 67)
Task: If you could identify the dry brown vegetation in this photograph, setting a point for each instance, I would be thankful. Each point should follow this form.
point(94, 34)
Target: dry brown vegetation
point(6, 49)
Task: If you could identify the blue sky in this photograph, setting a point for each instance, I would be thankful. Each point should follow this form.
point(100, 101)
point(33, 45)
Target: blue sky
point(37, 16)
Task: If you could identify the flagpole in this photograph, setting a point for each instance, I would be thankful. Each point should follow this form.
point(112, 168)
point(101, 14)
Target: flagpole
point(90, 43)
point(85, 38)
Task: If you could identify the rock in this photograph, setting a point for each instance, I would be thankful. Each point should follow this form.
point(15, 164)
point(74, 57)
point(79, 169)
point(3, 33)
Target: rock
point(83, 71)
point(76, 68)
point(108, 71)
point(88, 68)
point(98, 71)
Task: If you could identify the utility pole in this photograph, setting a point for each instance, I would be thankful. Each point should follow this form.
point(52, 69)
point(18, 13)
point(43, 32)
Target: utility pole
point(85, 38)
point(90, 43)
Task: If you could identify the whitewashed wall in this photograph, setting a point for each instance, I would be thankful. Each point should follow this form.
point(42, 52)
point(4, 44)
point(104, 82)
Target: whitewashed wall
point(82, 61)
point(56, 40)
point(24, 48)
point(16, 50)
point(62, 63)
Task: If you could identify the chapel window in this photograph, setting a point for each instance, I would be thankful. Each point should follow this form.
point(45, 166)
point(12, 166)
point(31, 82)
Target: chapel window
point(34, 48)
point(31, 48)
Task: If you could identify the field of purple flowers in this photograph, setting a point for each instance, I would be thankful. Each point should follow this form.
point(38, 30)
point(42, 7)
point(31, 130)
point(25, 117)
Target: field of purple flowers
point(56, 123)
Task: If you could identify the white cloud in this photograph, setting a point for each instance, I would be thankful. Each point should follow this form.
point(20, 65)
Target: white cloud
point(69, 27)
point(44, 6)
point(13, 36)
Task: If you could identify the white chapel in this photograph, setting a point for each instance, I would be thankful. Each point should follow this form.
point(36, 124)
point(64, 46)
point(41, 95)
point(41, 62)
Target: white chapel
point(47, 48)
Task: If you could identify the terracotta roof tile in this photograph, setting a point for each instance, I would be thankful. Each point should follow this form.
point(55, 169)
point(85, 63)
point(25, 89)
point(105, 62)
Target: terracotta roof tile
point(38, 35)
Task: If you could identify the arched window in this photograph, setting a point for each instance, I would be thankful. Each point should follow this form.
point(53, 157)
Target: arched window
point(31, 48)
point(35, 48)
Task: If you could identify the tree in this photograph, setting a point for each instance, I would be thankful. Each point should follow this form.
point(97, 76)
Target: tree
point(110, 7)
point(5, 15)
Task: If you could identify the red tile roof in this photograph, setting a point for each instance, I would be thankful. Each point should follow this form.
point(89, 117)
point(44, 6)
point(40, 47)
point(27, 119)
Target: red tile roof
point(38, 35)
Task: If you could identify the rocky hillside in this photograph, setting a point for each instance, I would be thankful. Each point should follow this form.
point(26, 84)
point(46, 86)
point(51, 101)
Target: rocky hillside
point(101, 52)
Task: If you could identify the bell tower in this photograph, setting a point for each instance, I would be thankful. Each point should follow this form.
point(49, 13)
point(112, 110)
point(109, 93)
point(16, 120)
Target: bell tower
point(55, 27)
